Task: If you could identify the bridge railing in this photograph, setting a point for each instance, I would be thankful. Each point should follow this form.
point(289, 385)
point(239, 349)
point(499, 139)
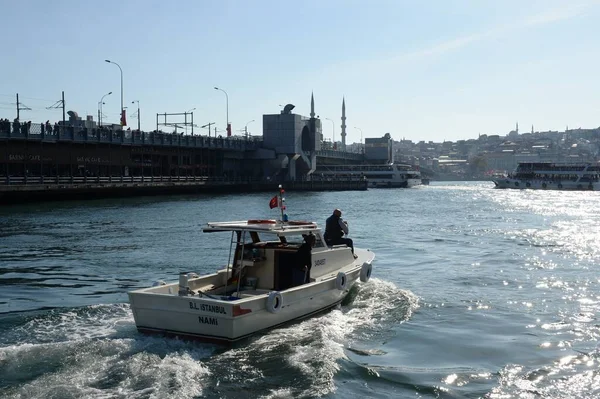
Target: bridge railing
point(107, 180)
point(58, 132)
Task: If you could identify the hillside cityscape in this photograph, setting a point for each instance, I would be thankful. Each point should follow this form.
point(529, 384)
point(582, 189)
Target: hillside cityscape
point(480, 158)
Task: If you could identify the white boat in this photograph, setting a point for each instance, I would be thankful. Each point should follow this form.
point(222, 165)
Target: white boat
point(552, 176)
point(253, 291)
point(392, 175)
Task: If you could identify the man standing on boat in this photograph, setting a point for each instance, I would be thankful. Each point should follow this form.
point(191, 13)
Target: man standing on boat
point(301, 273)
point(335, 228)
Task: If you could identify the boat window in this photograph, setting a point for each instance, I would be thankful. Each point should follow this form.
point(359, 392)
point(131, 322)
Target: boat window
point(319, 243)
point(265, 236)
point(295, 240)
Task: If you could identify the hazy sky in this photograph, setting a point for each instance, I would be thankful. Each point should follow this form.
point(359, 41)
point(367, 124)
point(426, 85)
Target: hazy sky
point(430, 70)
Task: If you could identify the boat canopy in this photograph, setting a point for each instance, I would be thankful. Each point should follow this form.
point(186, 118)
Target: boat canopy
point(272, 226)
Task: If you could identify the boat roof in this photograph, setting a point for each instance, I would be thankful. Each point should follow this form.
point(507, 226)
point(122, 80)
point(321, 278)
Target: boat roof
point(266, 225)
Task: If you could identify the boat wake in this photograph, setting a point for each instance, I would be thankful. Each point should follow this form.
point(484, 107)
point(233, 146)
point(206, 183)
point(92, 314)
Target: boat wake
point(95, 351)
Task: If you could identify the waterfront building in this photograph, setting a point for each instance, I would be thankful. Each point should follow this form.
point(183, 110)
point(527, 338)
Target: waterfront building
point(290, 143)
point(379, 150)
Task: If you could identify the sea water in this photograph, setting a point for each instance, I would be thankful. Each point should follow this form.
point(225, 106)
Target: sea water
point(476, 292)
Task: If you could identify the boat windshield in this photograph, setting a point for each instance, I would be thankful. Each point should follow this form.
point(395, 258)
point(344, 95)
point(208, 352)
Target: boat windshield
point(289, 239)
point(265, 236)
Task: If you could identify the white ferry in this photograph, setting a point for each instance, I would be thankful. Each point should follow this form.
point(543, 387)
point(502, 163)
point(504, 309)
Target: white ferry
point(392, 175)
point(552, 176)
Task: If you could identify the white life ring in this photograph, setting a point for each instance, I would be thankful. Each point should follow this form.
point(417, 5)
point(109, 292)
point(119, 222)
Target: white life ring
point(365, 272)
point(274, 302)
point(341, 281)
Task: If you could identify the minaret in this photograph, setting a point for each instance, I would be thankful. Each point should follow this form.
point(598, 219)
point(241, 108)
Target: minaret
point(531, 129)
point(312, 106)
point(517, 130)
point(343, 123)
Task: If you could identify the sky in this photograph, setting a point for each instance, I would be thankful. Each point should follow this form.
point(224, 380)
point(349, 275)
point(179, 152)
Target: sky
point(435, 70)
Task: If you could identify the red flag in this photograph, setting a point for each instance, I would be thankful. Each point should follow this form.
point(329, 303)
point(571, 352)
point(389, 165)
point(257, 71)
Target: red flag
point(123, 119)
point(273, 202)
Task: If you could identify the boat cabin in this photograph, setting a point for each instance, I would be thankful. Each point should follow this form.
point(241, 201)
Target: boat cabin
point(263, 253)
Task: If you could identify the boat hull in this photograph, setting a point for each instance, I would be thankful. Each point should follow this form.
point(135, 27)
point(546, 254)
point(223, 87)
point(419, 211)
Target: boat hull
point(230, 320)
point(521, 184)
point(407, 183)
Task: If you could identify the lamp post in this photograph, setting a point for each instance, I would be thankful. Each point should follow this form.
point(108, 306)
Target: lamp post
point(112, 62)
point(246, 128)
point(208, 125)
point(100, 107)
point(332, 128)
point(227, 106)
point(360, 136)
point(138, 114)
point(185, 119)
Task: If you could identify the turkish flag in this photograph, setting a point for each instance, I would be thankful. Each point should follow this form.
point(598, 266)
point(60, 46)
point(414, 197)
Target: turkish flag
point(123, 118)
point(273, 203)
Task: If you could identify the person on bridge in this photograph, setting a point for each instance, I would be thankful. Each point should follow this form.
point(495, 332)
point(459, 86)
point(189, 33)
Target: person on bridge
point(335, 229)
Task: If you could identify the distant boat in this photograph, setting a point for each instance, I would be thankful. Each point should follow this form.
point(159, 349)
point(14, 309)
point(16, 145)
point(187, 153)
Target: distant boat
point(552, 176)
point(392, 175)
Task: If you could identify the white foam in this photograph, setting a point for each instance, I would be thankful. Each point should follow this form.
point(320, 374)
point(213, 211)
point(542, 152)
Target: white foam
point(317, 344)
point(96, 351)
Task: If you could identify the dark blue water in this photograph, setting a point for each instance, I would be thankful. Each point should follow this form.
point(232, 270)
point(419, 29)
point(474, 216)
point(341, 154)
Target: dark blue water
point(476, 293)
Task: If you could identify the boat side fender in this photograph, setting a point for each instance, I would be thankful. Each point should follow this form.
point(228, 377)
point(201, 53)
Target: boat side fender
point(365, 272)
point(274, 302)
point(341, 281)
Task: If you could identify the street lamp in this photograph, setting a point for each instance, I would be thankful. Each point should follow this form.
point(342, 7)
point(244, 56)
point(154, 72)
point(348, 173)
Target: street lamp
point(246, 128)
point(360, 136)
point(100, 107)
point(112, 62)
point(138, 113)
point(332, 128)
point(227, 104)
point(185, 120)
point(208, 125)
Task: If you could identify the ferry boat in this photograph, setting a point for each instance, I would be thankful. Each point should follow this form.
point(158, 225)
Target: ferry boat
point(392, 175)
point(552, 176)
point(254, 290)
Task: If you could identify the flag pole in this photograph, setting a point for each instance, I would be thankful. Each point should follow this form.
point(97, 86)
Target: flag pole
point(281, 201)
